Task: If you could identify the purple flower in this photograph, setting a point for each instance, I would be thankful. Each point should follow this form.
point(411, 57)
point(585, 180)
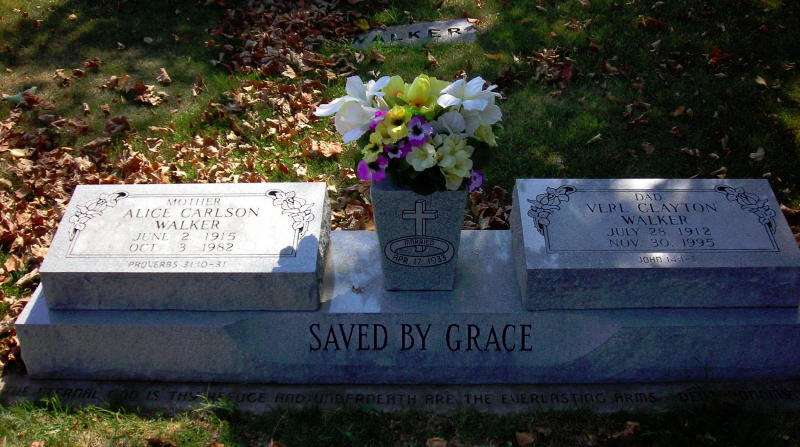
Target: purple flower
point(399, 150)
point(418, 130)
point(475, 180)
point(375, 171)
point(377, 119)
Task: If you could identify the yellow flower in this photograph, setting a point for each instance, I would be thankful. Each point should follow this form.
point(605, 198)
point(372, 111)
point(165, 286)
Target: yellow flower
point(379, 137)
point(394, 88)
point(395, 126)
point(370, 152)
point(452, 181)
point(484, 133)
point(453, 155)
point(423, 93)
point(397, 116)
point(422, 157)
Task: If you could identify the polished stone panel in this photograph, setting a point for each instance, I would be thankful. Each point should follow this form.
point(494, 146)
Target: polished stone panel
point(189, 246)
point(652, 243)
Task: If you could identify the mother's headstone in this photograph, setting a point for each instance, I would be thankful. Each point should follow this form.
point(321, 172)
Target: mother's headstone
point(191, 247)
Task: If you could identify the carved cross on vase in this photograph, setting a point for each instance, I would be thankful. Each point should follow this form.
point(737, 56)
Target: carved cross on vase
point(420, 215)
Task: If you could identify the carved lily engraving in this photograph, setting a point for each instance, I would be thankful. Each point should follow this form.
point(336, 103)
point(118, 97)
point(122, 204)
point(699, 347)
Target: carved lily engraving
point(295, 207)
point(750, 202)
point(92, 209)
point(546, 203)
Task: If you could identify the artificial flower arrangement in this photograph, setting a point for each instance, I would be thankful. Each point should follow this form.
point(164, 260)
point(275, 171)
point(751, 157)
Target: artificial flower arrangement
point(418, 133)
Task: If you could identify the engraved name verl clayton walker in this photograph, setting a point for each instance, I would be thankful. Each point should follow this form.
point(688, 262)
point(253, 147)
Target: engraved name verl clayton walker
point(419, 250)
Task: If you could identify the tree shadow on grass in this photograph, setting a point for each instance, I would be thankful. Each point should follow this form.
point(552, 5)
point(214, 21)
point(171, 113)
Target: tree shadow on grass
point(661, 103)
point(134, 38)
point(76, 29)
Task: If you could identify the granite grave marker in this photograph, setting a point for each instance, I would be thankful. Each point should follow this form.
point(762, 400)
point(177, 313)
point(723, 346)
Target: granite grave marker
point(191, 247)
point(449, 31)
point(643, 243)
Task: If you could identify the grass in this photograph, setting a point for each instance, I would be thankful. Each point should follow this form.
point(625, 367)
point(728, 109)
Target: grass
point(54, 424)
point(658, 89)
point(625, 69)
point(73, 31)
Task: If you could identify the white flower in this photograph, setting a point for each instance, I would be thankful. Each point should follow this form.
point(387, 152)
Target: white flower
point(470, 95)
point(356, 109)
point(473, 119)
point(352, 120)
point(452, 122)
point(422, 157)
point(357, 91)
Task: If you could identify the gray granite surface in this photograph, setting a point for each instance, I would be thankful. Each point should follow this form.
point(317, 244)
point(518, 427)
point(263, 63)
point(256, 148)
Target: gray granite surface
point(477, 333)
point(189, 246)
point(418, 236)
point(447, 31)
point(652, 243)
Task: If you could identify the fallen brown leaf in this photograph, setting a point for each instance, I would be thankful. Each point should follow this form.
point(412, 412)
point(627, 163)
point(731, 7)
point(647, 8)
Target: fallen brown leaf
point(758, 155)
point(94, 62)
point(27, 278)
point(374, 56)
point(12, 264)
point(650, 23)
point(162, 77)
point(153, 143)
point(525, 439)
point(289, 72)
point(325, 148)
point(432, 60)
point(631, 428)
point(117, 125)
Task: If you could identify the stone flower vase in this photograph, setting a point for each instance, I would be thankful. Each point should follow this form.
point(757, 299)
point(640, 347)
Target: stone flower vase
point(418, 236)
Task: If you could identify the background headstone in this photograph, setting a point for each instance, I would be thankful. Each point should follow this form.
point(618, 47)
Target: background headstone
point(450, 31)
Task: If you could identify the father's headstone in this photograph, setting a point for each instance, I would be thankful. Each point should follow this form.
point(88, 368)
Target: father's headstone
point(450, 31)
point(644, 243)
point(190, 247)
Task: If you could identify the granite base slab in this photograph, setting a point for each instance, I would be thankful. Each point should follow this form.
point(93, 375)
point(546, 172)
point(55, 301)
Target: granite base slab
point(479, 333)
